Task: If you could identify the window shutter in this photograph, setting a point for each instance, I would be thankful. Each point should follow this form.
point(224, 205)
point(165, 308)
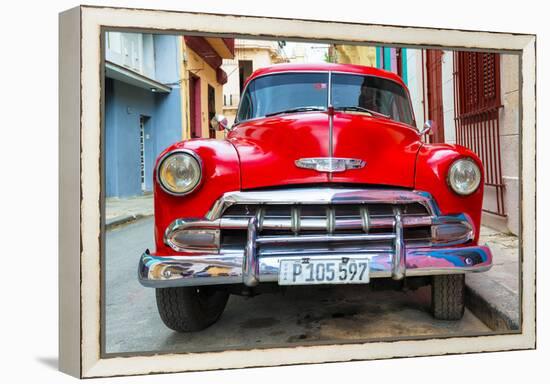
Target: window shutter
point(477, 102)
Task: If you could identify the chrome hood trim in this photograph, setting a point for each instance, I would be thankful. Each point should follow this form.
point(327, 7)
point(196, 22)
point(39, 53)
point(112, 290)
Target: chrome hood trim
point(329, 164)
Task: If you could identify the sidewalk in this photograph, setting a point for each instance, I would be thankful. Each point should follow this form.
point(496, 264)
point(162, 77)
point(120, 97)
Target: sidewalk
point(122, 211)
point(493, 296)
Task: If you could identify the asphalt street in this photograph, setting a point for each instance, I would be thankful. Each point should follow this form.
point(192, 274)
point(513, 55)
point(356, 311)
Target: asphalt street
point(300, 316)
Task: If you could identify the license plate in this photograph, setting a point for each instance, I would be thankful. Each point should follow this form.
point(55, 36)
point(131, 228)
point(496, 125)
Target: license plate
point(316, 271)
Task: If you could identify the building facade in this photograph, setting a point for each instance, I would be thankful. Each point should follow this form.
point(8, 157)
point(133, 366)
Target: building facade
point(353, 54)
point(142, 113)
point(159, 89)
point(472, 98)
point(250, 55)
point(203, 82)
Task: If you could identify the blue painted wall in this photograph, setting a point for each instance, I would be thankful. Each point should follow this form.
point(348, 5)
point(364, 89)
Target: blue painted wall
point(387, 59)
point(404, 65)
point(124, 105)
point(379, 57)
point(168, 106)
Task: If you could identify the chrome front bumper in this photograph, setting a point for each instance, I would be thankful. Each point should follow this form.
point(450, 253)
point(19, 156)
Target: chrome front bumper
point(382, 240)
point(235, 268)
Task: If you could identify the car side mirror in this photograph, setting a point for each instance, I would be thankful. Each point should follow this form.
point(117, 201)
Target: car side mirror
point(219, 122)
point(427, 128)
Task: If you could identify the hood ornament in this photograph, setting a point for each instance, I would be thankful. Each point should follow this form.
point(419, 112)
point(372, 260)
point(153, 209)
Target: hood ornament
point(329, 164)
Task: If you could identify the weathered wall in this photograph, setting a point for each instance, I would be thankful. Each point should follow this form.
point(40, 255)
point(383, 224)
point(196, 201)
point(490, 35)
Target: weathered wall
point(260, 53)
point(231, 67)
point(448, 94)
point(414, 83)
point(509, 137)
point(508, 122)
point(207, 75)
point(124, 105)
point(356, 54)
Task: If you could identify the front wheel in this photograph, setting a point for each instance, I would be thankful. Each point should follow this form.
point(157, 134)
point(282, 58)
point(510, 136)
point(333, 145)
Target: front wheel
point(448, 296)
point(187, 309)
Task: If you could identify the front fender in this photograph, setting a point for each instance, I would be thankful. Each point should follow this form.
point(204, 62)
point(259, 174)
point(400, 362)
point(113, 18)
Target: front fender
point(221, 173)
point(432, 164)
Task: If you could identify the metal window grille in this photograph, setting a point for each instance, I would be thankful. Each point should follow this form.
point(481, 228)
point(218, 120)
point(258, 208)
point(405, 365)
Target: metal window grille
point(477, 103)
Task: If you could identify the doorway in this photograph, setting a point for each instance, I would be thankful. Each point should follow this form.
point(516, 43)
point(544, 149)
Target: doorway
point(245, 70)
point(195, 126)
point(211, 110)
point(145, 154)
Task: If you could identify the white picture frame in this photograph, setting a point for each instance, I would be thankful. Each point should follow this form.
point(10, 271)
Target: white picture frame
point(80, 186)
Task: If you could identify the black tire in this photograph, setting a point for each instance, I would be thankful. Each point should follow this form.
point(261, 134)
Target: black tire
point(448, 297)
point(188, 309)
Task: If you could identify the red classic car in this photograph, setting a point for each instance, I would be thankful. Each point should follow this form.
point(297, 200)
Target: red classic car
point(322, 179)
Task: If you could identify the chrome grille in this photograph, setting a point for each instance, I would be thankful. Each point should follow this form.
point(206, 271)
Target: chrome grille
point(305, 221)
point(266, 226)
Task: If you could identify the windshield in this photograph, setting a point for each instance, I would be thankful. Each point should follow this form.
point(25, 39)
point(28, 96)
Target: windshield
point(297, 92)
point(268, 95)
point(371, 93)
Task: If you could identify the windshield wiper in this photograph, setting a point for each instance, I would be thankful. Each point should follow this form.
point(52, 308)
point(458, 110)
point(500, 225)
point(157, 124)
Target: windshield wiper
point(361, 109)
point(297, 109)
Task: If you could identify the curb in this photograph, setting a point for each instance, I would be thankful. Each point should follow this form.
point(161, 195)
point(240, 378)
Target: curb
point(496, 318)
point(121, 220)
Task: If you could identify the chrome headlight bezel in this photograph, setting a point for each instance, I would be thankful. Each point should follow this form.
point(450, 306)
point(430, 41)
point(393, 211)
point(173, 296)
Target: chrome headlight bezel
point(452, 168)
point(179, 152)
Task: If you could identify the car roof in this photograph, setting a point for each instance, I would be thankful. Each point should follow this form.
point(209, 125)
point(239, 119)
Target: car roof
point(325, 67)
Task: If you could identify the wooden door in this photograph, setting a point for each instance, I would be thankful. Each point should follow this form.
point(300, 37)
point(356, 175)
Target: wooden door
point(435, 94)
point(195, 126)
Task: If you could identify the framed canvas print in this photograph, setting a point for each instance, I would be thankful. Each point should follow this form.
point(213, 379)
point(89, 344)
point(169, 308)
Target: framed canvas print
point(242, 191)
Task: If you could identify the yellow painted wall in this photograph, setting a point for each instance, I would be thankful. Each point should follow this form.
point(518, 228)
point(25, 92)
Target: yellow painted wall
point(207, 75)
point(354, 54)
point(260, 53)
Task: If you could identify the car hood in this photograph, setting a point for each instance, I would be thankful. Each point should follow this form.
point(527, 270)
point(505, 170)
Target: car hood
point(268, 149)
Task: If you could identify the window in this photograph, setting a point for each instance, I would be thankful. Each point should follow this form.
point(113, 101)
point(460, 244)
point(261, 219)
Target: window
point(479, 85)
point(477, 103)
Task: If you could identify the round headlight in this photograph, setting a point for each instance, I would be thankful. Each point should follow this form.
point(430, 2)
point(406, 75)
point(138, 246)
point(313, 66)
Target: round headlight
point(464, 176)
point(179, 172)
